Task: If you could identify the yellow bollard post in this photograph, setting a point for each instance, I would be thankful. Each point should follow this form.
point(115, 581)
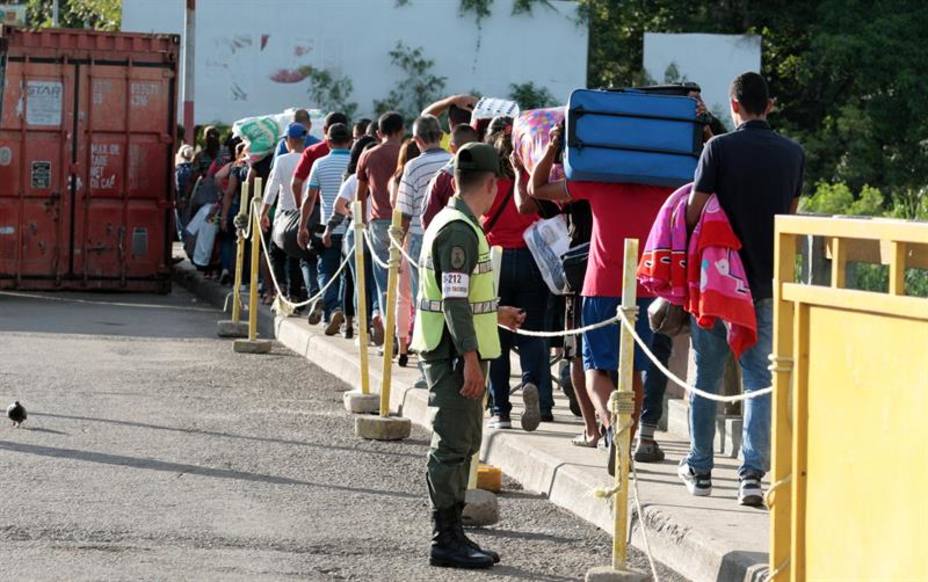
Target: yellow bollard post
point(235, 327)
point(390, 319)
point(386, 427)
point(481, 506)
point(622, 405)
point(361, 401)
point(253, 345)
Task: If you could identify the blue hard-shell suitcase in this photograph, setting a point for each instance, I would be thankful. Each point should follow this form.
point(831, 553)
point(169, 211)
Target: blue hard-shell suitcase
point(631, 136)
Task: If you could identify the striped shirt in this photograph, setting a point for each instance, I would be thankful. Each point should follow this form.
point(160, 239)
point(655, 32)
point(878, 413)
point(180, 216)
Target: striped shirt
point(326, 175)
point(414, 185)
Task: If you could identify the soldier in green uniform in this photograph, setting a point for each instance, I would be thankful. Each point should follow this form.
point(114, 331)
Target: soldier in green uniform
point(456, 335)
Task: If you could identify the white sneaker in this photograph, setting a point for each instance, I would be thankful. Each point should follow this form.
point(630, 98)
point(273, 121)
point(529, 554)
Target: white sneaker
point(699, 485)
point(498, 422)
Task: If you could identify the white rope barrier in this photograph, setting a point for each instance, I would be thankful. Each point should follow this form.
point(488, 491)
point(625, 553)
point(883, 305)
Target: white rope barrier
point(777, 571)
point(370, 245)
point(566, 332)
point(249, 217)
point(280, 294)
point(676, 380)
point(620, 317)
point(644, 529)
point(403, 252)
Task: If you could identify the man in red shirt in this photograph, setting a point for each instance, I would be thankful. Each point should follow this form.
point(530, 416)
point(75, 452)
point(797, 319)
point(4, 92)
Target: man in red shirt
point(375, 169)
point(441, 188)
point(619, 211)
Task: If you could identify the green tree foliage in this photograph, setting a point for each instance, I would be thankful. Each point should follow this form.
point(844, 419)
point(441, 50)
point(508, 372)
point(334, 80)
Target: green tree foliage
point(838, 199)
point(417, 89)
point(850, 76)
point(530, 96)
point(331, 92)
point(96, 14)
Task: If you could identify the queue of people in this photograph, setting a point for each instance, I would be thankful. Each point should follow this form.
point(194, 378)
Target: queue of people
point(461, 190)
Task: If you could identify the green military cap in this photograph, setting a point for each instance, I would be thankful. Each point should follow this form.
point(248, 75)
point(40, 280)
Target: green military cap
point(477, 157)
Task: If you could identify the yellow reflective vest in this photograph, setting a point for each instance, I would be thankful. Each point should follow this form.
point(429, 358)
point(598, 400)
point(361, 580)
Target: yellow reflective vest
point(430, 319)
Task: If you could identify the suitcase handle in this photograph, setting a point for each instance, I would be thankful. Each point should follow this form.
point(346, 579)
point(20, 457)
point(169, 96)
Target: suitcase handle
point(669, 89)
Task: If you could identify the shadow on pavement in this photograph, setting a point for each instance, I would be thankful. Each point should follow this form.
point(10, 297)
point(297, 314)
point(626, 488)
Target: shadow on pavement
point(45, 430)
point(522, 535)
point(196, 431)
point(520, 574)
point(183, 469)
point(122, 315)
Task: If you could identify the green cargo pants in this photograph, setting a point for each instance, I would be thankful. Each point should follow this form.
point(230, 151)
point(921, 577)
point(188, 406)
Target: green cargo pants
point(457, 428)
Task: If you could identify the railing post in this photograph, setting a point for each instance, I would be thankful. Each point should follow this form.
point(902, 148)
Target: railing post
point(255, 266)
point(622, 414)
point(385, 427)
point(235, 327)
point(240, 257)
point(622, 407)
point(360, 286)
point(781, 426)
point(390, 316)
point(253, 345)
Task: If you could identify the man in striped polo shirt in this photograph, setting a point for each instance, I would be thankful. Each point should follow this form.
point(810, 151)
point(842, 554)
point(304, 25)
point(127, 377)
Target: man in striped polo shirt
point(325, 180)
point(414, 185)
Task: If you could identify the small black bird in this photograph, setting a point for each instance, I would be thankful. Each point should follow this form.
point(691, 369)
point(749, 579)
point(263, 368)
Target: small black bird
point(17, 413)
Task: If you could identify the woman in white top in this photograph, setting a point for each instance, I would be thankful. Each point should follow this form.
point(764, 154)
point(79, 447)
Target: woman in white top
point(405, 311)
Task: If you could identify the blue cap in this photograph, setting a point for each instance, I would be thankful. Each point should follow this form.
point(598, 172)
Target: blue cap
point(296, 130)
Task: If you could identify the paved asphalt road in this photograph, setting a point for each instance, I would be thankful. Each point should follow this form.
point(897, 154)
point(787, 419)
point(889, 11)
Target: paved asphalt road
point(154, 452)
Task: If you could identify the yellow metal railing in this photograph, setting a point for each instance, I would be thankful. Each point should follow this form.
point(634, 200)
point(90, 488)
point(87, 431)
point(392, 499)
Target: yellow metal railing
point(850, 389)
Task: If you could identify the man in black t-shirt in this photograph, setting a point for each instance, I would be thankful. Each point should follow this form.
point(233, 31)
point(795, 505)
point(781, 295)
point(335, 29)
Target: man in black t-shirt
point(756, 174)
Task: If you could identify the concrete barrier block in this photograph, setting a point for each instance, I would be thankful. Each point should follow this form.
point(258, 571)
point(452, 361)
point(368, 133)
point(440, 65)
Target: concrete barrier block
point(608, 574)
point(244, 346)
point(229, 328)
point(357, 402)
point(481, 508)
point(382, 428)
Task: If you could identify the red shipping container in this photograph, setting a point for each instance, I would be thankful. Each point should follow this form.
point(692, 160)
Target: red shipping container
point(87, 130)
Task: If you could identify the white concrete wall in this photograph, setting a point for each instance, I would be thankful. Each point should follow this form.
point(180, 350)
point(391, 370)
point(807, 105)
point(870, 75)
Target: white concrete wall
point(241, 44)
point(712, 60)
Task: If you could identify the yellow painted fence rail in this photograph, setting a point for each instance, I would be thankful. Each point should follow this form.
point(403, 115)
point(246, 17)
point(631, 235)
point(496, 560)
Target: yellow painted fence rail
point(850, 439)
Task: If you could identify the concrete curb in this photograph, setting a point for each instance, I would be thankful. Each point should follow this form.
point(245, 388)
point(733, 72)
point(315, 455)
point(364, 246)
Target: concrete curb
point(544, 461)
point(188, 277)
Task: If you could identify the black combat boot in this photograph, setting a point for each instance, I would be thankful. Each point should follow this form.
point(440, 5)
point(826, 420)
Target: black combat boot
point(462, 537)
point(447, 550)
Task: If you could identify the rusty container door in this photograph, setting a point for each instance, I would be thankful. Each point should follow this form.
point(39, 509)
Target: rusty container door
point(35, 155)
point(102, 219)
point(124, 164)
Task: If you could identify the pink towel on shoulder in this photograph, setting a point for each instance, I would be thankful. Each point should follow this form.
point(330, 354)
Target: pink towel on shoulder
point(702, 272)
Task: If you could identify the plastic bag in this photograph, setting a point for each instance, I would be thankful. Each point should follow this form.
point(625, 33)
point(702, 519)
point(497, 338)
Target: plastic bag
point(548, 241)
point(262, 132)
point(204, 227)
point(530, 137)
